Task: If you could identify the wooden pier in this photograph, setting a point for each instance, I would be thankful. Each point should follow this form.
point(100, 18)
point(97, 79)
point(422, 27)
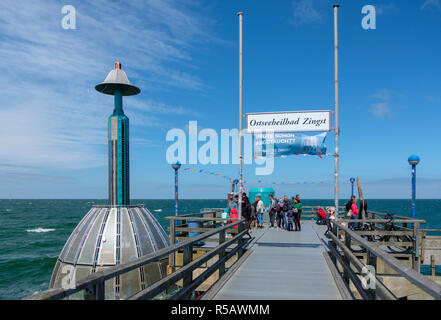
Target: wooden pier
point(210, 258)
point(283, 265)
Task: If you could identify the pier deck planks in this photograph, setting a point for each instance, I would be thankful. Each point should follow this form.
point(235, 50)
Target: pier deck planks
point(283, 265)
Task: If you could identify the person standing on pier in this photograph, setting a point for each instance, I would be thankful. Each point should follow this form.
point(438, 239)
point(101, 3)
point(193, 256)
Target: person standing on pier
point(272, 209)
point(232, 203)
point(260, 207)
point(286, 207)
point(353, 213)
point(290, 220)
point(253, 213)
point(246, 212)
point(279, 213)
point(297, 209)
point(234, 215)
point(330, 217)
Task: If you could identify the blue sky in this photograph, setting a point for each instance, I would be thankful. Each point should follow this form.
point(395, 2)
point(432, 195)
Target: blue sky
point(183, 56)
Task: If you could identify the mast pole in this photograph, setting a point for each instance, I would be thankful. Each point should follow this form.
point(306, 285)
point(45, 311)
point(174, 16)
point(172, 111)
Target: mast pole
point(336, 129)
point(240, 14)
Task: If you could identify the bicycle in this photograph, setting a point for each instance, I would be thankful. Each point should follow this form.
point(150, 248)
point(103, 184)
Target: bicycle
point(388, 226)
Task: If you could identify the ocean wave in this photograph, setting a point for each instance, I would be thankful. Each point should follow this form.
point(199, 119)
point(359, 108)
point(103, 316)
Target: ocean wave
point(158, 210)
point(40, 230)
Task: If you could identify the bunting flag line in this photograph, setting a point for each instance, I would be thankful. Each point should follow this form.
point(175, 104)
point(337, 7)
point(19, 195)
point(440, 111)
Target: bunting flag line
point(260, 182)
point(297, 154)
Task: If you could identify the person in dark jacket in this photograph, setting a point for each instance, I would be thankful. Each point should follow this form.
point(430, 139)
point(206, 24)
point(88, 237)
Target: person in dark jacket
point(290, 220)
point(286, 207)
point(279, 217)
point(246, 211)
point(272, 209)
point(297, 209)
point(253, 213)
point(246, 207)
point(349, 204)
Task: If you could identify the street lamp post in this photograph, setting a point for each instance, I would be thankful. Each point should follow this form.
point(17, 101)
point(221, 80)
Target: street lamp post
point(176, 167)
point(234, 185)
point(352, 180)
point(413, 161)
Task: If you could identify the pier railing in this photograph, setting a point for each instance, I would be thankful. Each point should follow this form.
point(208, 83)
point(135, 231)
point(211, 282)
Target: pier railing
point(362, 273)
point(180, 282)
point(309, 212)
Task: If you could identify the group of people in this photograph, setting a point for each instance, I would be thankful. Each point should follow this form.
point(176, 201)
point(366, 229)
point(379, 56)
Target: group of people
point(326, 217)
point(283, 213)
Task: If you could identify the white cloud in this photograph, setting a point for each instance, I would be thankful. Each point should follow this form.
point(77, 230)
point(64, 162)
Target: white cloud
point(386, 94)
point(388, 101)
point(431, 4)
point(433, 99)
point(308, 12)
point(381, 110)
point(382, 9)
point(52, 116)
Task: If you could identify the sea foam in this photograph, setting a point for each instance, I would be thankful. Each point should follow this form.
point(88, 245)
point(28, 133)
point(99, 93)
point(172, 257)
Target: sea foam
point(40, 230)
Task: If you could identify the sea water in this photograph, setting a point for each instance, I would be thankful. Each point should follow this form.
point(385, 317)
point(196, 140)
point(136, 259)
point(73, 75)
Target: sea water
point(33, 232)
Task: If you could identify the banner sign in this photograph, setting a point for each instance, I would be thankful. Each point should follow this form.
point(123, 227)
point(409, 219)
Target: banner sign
point(290, 121)
point(283, 144)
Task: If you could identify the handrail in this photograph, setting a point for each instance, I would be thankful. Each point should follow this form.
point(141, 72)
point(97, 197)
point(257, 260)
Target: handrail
point(395, 216)
point(158, 286)
point(424, 283)
point(195, 214)
point(140, 205)
point(98, 278)
point(383, 220)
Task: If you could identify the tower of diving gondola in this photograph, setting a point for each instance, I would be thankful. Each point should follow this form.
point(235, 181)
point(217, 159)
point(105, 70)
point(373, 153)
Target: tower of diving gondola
point(112, 234)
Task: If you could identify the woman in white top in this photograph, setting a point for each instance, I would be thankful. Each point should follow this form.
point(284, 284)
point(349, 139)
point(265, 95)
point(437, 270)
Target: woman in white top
point(259, 209)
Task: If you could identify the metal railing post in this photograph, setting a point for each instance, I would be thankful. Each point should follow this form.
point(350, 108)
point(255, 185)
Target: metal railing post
point(241, 241)
point(347, 259)
point(221, 253)
point(332, 243)
point(416, 232)
point(371, 260)
point(188, 278)
point(172, 242)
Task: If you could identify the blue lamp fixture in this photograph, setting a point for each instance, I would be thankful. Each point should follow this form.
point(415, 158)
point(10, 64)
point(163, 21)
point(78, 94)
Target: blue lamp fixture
point(234, 185)
point(413, 161)
point(352, 180)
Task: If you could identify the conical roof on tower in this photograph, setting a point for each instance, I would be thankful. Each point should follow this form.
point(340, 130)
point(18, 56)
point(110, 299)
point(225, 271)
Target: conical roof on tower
point(117, 79)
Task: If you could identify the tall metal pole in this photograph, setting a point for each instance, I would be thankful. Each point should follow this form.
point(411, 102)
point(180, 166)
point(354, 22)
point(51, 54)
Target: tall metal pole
point(352, 180)
point(176, 192)
point(413, 161)
point(413, 191)
point(240, 14)
point(336, 129)
point(176, 167)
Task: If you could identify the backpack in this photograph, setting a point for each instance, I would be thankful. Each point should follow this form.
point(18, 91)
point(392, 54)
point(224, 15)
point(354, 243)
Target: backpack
point(348, 206)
